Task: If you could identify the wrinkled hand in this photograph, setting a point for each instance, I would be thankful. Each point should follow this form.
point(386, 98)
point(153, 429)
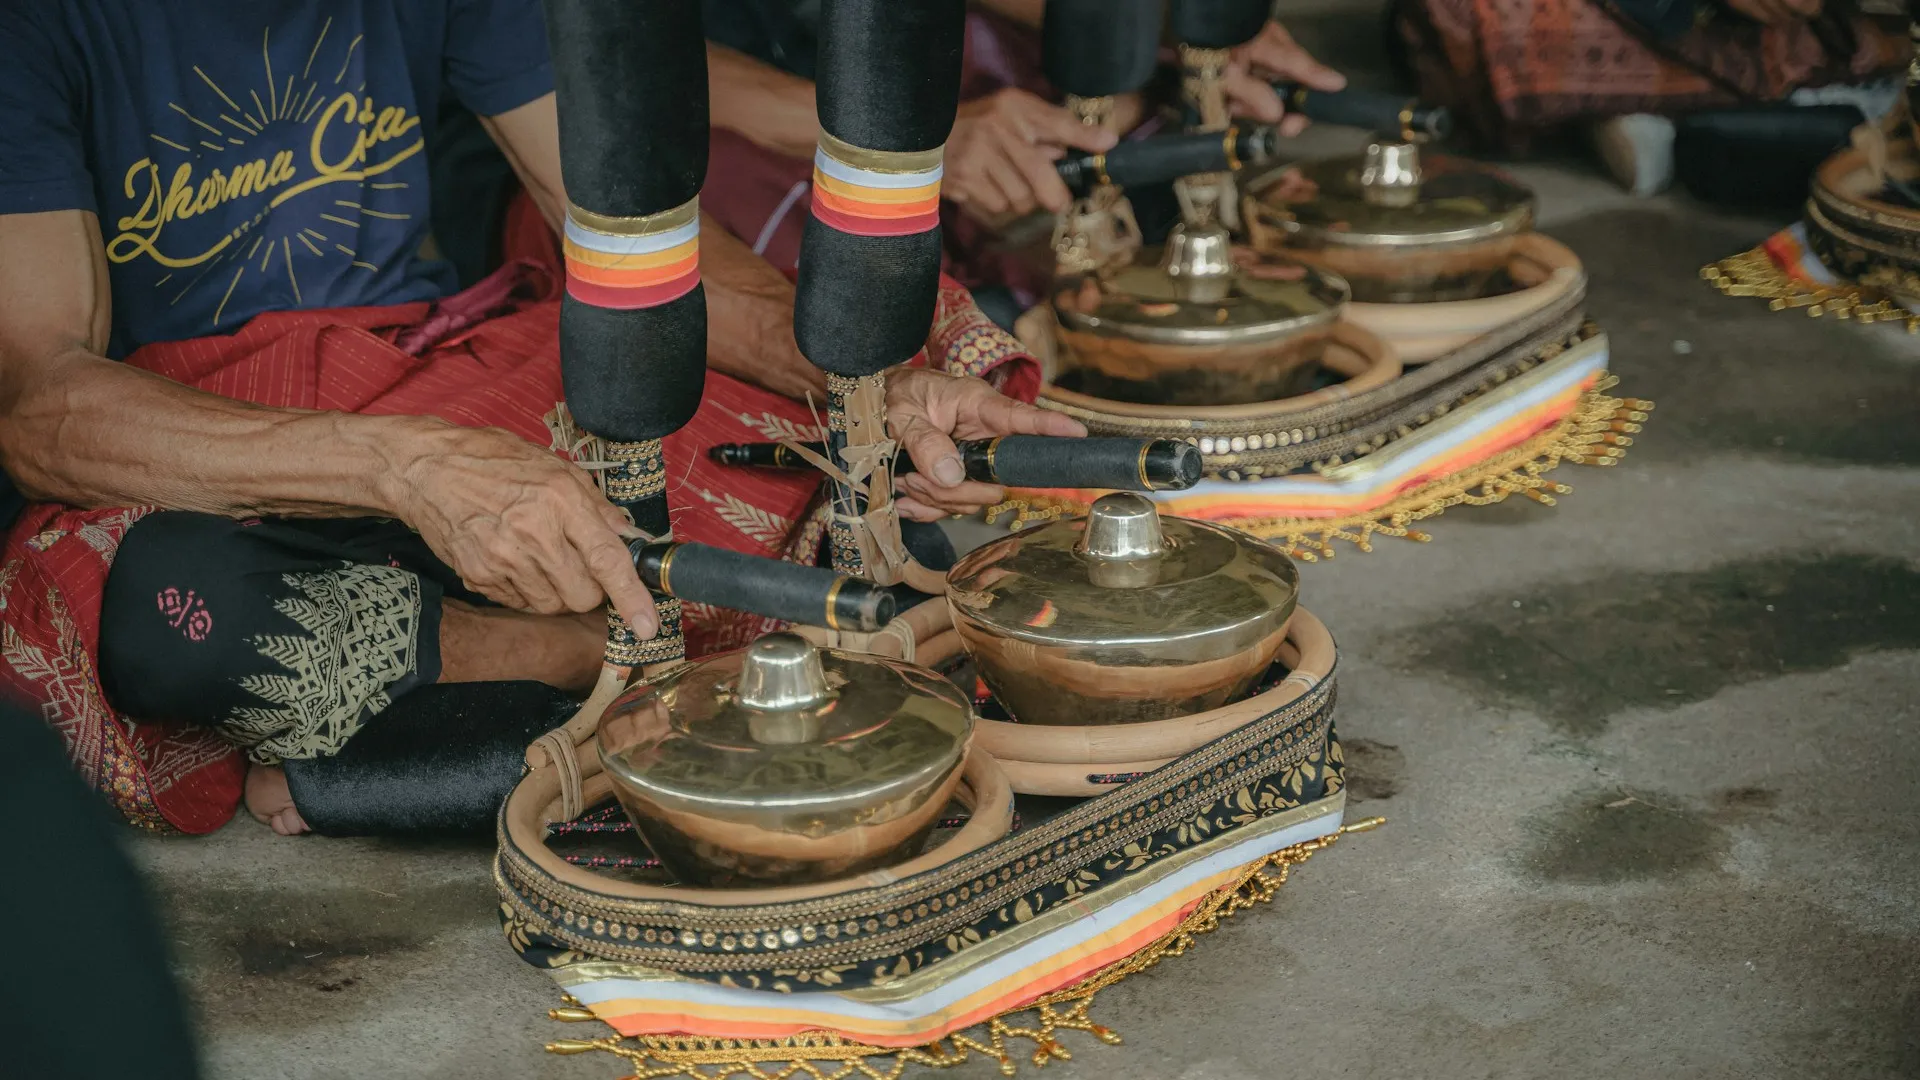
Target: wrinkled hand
point(999, 160)
point(1776, 12)
point(1274, 55)
point(928, 410)
point(519, 525)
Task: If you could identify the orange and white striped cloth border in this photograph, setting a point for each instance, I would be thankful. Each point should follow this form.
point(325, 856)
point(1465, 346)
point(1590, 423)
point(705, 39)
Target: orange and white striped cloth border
point(852, 196)
point(1500, 420)
point(631, 263)
point(1055, 950)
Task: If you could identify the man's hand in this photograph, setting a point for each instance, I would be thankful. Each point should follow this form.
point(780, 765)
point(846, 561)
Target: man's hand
point(1776, 12)
point(519, 525)
point(1273, 56)
point(928, 410)
point(999, 161)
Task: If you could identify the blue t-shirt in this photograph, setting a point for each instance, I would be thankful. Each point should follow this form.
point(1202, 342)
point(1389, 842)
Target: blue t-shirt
point(249, 157)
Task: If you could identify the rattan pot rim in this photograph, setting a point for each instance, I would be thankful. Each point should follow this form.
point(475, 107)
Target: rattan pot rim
point(1354, 351)
point(535, 803)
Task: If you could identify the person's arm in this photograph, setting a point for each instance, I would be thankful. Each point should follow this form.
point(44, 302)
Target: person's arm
point(78, 428)
point(516, 522)
point(749, 303)
point(769, 107)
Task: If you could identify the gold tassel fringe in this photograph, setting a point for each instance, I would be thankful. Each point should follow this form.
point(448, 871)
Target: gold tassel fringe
point(829, 1057)
point(1596, 432)
point(1754, 273)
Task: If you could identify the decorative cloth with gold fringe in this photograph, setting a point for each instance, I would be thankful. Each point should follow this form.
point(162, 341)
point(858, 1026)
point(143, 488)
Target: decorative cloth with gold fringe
point(1478, 425)
point(823, 1056)
point(1855, 253)
point(872, 976)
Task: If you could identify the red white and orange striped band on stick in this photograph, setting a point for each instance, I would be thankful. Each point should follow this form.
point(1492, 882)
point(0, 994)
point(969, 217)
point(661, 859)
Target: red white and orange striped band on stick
point(633, 262)
point(876, 192)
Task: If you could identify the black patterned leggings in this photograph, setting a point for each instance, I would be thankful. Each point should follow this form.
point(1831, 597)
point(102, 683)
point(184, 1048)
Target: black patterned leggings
point(284, 636)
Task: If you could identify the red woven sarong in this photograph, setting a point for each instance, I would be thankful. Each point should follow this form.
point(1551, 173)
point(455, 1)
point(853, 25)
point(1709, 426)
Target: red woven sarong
point(488, 356)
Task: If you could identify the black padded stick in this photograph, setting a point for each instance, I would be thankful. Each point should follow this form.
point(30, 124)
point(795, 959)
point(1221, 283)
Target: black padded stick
point(632, 101)
point(1217, 24)
point(1098, 462)
point(1163, 158)
point(1097, 48)
point(889, 71)
point(633, 375)
point(864, 303)
point(1374, 110)
point(631, 86)
point(780, 590)
point(890, 81)
point(1039, 461)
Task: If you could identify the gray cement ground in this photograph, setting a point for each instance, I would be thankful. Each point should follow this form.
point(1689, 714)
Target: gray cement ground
point(1648, 761)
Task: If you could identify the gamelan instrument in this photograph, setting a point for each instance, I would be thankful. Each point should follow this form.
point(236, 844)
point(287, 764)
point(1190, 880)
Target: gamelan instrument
point(1437, 250)
point(1181, 323)
point(839, 873)
point(1400, 225)
point(1092, 51)
point(1022, 461)
point(1855, 252)
point(1120, 617)
point(1289, 361)
point(783, 763)
point(633, 321)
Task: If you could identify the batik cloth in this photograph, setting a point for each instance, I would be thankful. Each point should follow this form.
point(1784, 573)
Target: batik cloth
point(1512, 69)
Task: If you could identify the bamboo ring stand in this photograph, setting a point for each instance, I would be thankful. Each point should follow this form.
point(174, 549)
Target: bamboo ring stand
point(1042, 759)
point(537, 802)
point(1545, 270)
point(1353, 351)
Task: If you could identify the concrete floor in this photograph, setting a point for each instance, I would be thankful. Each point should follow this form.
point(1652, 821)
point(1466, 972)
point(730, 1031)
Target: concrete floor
point(1648, 761)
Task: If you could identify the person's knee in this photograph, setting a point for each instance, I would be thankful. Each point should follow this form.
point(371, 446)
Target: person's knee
point(169, 615)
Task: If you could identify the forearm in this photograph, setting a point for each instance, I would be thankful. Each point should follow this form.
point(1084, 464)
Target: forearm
point(92, 433)
point(769, 107)
point(750, 307)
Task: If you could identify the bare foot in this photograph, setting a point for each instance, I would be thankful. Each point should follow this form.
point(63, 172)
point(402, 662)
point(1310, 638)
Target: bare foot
point(271, 802)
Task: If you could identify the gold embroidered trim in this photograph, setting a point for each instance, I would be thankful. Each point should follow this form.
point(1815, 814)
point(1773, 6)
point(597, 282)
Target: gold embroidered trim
point(829, 1057)
point(624, 650)
point(1754, 273)
point(648, 225)
point(1589, 435)
point(635, 470)
point(882, 161)
point(360, 636)
point(1091, 111)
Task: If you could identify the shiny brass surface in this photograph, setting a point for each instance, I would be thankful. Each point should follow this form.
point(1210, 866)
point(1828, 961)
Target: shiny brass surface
point(1399, 225)
point(1198, 260)
point(1122, 616)
point(1183, 326)
point(784, 764)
